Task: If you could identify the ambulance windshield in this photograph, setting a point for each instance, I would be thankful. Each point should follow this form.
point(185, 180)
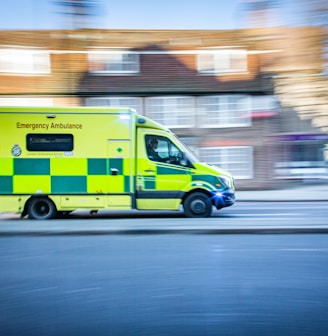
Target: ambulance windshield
point(192, 157)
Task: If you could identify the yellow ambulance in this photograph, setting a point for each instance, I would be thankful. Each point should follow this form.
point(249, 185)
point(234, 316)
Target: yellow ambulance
point(55, 160)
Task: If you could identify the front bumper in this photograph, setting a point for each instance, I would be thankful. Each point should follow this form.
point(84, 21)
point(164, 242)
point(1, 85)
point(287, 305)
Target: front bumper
point(224, 198)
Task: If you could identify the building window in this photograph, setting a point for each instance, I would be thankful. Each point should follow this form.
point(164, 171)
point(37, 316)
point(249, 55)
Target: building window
point(114, 62)
point(264, 104)
point(302, 160)
point(49, 142)
point(24, 61)
point(173, 112)
point(237, 160)
point(222, 61)
point(224, 111)
point(325, 57)
point(132, 102)
point(22, 101)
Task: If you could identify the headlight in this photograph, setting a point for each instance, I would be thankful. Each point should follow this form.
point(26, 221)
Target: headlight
point(226, 180)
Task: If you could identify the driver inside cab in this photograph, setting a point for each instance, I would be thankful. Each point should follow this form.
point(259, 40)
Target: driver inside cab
point(152, 150)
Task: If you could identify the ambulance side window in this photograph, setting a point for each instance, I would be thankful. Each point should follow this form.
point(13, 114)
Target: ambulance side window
point(50, 142)
point(162, 149)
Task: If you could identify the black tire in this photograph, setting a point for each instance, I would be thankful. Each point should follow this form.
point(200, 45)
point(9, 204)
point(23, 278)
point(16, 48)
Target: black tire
point(41, 208)
point(198, 205)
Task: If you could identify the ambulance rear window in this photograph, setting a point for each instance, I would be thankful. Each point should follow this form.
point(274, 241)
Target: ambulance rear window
point(49, 142)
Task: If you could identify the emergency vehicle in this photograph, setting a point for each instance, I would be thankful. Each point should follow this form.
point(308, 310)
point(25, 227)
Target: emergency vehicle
point(54, 160)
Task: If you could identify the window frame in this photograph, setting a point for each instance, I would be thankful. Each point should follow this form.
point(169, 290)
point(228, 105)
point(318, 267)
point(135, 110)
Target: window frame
point(325, 57)
point(104, 58)
point(225, 163)
point(210, 62)
point(226, 108)
point(25, 61)
point(110, 101)
point(25, 101)
point(171, 109)
point(174, 154)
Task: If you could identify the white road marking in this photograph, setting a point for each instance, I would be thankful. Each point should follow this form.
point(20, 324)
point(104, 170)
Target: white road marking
point(38, 290)
point(82, 290)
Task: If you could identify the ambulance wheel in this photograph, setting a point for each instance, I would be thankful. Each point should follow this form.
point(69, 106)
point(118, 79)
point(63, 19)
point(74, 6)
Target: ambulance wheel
point(41, 208)
point(198, 205)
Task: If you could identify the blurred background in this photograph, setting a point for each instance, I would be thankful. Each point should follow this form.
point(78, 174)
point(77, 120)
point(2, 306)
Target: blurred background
point(243, 83)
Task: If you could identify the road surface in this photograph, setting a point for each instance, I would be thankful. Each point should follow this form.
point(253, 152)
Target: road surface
point(165, 284)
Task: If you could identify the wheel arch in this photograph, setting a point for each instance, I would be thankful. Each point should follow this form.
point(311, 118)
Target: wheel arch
point(32, 198)
point(192, 191)
point(198, 204)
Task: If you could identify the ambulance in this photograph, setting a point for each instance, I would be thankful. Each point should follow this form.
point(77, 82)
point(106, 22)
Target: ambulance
point(55, 160)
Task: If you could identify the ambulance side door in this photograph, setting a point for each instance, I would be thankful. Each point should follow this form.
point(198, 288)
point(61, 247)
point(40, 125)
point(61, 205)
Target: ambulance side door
point(161, 177)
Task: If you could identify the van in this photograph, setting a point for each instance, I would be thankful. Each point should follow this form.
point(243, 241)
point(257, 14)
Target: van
point(55, 160)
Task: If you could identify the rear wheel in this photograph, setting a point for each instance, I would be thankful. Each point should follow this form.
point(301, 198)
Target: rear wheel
point(197, 205)
point(41, 208)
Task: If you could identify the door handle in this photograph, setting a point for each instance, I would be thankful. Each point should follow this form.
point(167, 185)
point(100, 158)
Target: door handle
point(114, 171)
point(149, 171)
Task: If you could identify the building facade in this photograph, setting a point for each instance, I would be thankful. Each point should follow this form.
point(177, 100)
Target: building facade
point(215, 89)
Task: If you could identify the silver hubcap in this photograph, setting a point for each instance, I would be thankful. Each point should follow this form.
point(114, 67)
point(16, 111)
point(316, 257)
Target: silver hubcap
point(42, 209)
point(198, 206)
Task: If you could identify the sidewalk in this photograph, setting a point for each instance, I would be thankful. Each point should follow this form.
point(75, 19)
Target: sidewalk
point(300, 192)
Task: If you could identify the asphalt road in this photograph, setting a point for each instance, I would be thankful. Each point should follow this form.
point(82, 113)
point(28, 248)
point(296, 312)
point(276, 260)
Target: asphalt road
point(243, 217)
point(159, 273)
point(164, 284)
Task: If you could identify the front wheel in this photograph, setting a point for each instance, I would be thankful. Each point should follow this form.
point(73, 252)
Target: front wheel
point(197, 205)
point(41, 208)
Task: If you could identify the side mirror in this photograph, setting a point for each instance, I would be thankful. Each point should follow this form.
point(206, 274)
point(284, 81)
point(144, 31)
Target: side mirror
point(184, 160)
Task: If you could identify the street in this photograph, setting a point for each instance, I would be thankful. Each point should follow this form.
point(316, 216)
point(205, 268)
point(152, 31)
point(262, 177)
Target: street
point(243, 217)
point(188, 283)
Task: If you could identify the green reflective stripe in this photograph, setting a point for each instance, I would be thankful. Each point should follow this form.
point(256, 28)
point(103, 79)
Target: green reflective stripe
point(97, 166)
point(61, 176)
point(6, 184)
point(127, 184)
point(68, 184)
point(161, 170)
point(31, 166)
point(150, 182)
point(162, 194)
point(213, 180)
point(205, 185)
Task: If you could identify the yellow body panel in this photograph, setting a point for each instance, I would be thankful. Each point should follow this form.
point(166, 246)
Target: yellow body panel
point(79, 202)
point(9, 204)
point(31, 184)
point(68, 166)
point(6, 166)
point(119, 202)
point(166, 182)
point(97, 173)
point(12, 203)
point(158, 204)
point(100, 184)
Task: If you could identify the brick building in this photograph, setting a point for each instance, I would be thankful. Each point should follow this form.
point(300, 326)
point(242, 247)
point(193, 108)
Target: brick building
point(215, 89)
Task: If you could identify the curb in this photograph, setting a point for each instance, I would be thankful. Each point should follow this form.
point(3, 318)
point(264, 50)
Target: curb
point(270, 230)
